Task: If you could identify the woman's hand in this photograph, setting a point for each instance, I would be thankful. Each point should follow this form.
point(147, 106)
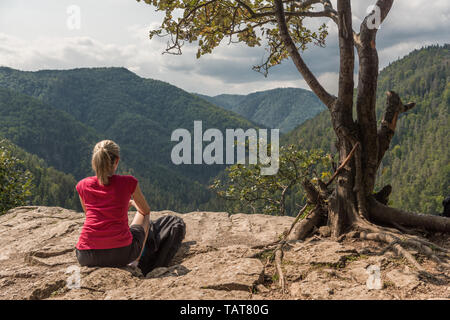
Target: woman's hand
point(131, 204)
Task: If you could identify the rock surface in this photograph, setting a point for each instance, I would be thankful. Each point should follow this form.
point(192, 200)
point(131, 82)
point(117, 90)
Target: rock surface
point(217, 260)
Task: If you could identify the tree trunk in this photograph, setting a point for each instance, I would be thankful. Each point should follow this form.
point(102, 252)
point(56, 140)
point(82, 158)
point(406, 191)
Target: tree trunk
point(352, 204)
point(352, 208)
point(340, 206)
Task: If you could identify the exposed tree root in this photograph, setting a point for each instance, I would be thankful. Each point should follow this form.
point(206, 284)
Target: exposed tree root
point(278, 259)
point(393, 244)
point(307, 224)
point(303, 229)
point(403, 229)
point(389, 215)
point(297, 218)
point(278, 252)
point(398, 242)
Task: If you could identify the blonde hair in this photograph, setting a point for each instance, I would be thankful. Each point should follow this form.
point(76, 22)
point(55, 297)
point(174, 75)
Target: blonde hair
point(103, 157)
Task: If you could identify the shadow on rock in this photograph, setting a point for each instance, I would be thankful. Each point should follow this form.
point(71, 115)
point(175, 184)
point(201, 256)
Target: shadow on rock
point(172, 271)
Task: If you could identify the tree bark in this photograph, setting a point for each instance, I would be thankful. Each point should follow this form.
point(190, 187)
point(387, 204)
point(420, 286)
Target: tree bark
point(367, 89)
point(336, 221)
point(394, 107)
point(305, 226)
point(389, 215)
point(342, 208)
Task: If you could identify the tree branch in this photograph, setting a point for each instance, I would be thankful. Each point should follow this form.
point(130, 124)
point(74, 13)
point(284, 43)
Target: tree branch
point(252, 13)
point(394, 107)
point(367, 88)
point(350, 155)
point(381, 10)
point(342, 112)
point(328, 11)
point(347, 56)
point(310, 79)
point(314, 14)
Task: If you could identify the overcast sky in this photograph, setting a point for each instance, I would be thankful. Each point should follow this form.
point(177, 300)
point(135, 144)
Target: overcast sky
point(34, 35)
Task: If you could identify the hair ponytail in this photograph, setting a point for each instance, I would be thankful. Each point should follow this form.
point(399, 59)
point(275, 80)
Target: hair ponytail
point(103, 157)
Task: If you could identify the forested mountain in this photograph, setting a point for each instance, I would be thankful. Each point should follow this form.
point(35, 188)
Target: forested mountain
point(59, 115)
point(281, 108)
point(51, 134)
point(56, 117)
point(417, 164)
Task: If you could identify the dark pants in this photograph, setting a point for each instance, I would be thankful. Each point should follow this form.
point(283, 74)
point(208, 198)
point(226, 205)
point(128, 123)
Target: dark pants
point(163, 241)
point(116, 257)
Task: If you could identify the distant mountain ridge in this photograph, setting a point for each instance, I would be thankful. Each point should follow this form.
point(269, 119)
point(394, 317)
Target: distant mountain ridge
point(60, 114)
point(281, 108)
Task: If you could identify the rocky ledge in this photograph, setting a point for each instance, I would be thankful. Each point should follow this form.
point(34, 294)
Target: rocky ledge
point(220, 258)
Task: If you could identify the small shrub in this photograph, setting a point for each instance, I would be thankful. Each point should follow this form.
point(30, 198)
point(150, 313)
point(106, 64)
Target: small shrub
point(15, 180)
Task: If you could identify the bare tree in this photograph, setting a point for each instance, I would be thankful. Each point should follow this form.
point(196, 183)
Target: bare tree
point(351, 208)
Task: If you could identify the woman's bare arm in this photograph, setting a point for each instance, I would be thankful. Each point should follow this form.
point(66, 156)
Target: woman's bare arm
point(142, 217)
point(139, 201)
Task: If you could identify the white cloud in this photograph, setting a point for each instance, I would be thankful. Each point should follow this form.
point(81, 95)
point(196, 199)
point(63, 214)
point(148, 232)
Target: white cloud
point(121, 39)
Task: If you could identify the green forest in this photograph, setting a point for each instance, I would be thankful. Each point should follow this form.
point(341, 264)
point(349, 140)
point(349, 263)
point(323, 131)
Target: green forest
point(52, 119)
point(60, 115)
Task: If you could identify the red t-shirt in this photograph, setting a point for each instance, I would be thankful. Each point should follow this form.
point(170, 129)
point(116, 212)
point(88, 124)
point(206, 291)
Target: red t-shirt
point(106, 224)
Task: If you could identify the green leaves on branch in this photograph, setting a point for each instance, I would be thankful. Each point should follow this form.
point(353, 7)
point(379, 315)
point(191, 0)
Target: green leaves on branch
point(252, 22)
point(247, 188)
point(15, 181)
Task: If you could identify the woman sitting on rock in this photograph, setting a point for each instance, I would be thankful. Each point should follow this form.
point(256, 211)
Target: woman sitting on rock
point(106, 240)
